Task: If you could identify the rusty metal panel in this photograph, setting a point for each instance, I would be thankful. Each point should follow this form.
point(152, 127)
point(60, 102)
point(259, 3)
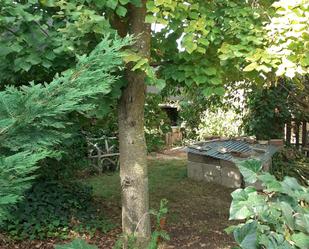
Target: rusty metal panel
point(212, 149)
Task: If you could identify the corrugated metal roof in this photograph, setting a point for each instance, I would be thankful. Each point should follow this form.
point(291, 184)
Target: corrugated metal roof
point(216, 149)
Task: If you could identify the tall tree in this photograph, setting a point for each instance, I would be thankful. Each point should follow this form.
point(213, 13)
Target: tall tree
point(133, 162)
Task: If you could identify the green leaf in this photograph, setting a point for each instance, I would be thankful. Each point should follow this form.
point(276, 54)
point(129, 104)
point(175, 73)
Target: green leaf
point(208, 91)
point(215, 81)
point(210, 71)
point(130, 56)
point(249, 170)
point(112, 4)
point(140, 63)
point(270, 182)
point(159, 2)
point(219, 91)
point(246, 236)
point(203, 41)
point(124, 2)
point(150, 19)
point(34, 59)
point(238, 209)
point(251, 67)
point(287, 213)
point(301, 240)
point(200, 79)
point(302, 222)
point(121, 11)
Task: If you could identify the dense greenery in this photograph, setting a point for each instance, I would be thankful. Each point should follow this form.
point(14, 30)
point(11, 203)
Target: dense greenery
point(268, 112)
point(291, 162)
point(285, 42)
point(54, 209)
point(157, 123)
point(34, 119)
point(277, 217)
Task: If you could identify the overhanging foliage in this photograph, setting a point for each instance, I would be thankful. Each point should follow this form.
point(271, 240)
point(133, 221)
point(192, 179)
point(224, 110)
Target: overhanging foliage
point(34, 118)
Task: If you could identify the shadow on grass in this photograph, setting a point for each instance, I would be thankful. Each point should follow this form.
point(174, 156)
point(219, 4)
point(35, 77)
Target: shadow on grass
point(198, 211)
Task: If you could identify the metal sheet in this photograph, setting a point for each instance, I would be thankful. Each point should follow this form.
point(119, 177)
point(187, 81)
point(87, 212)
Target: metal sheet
point(212, 149)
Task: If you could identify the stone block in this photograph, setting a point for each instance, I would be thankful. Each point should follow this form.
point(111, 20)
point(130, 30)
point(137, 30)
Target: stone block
point(212, 173)
point(230, 175)
point(195, 171)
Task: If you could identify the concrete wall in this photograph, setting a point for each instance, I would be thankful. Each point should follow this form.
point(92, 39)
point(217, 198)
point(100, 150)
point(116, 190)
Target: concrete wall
point(203, 168)
point(223, 173)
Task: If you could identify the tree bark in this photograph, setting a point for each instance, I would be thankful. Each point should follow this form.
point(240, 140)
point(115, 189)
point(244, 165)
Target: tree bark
point(133, 161)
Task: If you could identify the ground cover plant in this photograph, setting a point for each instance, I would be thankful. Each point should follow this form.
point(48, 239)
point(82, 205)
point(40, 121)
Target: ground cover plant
point(189, 224)
point(276, 217)
point(55, 210)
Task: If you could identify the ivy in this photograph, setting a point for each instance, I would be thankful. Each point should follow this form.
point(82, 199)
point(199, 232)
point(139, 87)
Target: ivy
point(276, 217)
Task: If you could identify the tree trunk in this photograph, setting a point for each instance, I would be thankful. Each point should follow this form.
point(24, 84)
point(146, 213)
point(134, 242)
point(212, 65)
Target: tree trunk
point(133, 161)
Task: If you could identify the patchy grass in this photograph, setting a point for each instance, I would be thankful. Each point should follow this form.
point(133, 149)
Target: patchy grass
point(198, 212)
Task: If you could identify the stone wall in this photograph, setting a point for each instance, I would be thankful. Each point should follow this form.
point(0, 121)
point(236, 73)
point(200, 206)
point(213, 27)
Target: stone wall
point(204, 168)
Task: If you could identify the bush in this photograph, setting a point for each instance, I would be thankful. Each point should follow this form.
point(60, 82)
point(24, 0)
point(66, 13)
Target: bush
point(52, 209)
point(268, 111)
point(275, 218)
point(219, 123)
point(291, 162)
point(157, 123)
point(73, 158)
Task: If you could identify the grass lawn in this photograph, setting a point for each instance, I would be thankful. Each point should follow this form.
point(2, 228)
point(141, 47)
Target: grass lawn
point(198, 212)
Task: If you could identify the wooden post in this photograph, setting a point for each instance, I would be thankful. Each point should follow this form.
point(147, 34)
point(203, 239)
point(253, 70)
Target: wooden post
point(304, 134)
point(297, 124)
point(288, 133)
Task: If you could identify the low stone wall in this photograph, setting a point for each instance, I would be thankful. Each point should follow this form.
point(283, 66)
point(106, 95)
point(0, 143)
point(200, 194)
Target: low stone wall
point(203, 168)
point(226, 175)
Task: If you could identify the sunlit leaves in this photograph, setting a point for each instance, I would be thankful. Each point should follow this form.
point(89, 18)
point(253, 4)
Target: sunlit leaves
point(207, 40)
point(286, 41)
point(138, 62)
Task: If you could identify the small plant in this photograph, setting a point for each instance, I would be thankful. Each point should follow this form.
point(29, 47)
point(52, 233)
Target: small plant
point(275, 218)
point(158, 234)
